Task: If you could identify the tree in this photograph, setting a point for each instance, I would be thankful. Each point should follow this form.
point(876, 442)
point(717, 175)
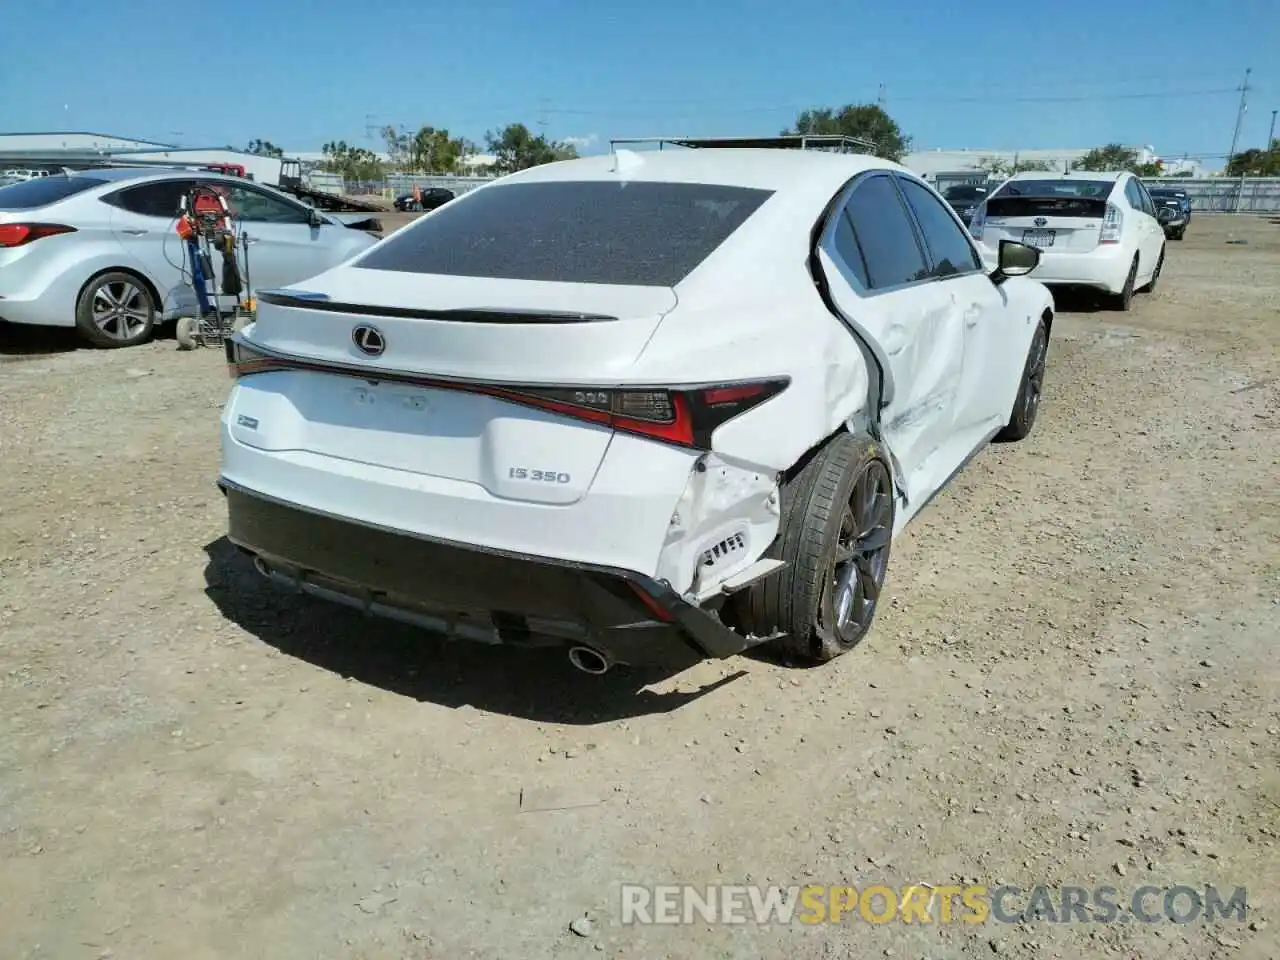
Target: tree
point(264, 148)
point(397, 144)
point(1255, 162)
point(434, 151)
point(997, 167)
point(1111, 158)
point(353, 163)
point(515, 148)
point(1153, 169)
point(865, 120)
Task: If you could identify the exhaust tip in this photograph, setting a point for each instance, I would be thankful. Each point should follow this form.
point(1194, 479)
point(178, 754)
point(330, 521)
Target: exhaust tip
point(261, 567)
point(588, 660)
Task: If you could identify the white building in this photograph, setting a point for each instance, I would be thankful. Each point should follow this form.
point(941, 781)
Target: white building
point(953, 164)
point(78, 141)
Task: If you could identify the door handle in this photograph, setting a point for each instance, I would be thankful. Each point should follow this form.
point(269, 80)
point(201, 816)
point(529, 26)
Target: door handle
point(971, 315)
point(134, 233)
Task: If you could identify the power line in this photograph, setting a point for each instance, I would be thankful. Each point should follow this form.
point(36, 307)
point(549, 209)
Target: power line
point(777, 108)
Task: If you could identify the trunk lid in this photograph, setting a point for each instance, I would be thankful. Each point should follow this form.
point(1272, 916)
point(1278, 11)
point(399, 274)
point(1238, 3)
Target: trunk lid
point(1059, 224)
point(496, 332)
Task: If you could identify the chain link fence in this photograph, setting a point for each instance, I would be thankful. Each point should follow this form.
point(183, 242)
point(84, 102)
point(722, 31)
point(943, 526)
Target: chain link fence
point(1226, 194)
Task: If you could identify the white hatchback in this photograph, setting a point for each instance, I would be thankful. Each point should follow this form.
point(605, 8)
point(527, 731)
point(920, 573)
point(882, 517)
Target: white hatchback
point(654, 406)
point(1096, 230)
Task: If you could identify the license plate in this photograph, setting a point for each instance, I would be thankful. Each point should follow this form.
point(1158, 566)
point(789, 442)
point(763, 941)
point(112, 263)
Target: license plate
point(1038, 238)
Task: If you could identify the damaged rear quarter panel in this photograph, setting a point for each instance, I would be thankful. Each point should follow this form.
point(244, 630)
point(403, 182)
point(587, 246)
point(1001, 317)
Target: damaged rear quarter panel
point(731, 508)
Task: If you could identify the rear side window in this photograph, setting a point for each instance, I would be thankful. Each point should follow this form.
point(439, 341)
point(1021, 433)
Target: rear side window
point(885, 234)
point(638, 233)
point(30, 194)
point(160, 198)
point(847, 247)
point(948, 246)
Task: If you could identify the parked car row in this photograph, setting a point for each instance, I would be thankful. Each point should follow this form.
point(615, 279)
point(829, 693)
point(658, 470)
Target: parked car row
point(98, 249)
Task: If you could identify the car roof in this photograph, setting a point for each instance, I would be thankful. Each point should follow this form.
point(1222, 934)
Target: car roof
point(1072, 175)
point(760, 167)
point(124, 174)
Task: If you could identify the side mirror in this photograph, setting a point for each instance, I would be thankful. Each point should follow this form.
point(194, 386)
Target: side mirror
point(314, 218)
point(1014, 260)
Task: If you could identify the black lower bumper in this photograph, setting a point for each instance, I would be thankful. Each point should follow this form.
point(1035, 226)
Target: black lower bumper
point(472, 592)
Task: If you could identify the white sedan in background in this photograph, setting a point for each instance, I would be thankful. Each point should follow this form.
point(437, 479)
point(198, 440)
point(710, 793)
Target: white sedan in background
point(98, 249)
point(652, 406)
point(1096, 230)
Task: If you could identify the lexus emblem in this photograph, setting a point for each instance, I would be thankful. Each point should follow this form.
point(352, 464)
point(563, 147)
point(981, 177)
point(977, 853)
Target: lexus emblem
point(1041, 221)
point(369, 340)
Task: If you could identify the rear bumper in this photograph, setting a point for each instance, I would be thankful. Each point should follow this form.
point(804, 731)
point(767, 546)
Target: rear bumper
point(1101, 269)
point(475, 593)
point(46, 311)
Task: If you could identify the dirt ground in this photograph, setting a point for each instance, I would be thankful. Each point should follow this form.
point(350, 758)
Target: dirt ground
point(1075, 681)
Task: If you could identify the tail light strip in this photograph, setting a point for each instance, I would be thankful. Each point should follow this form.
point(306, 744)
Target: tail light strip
point(20, 234)
point(685, 415)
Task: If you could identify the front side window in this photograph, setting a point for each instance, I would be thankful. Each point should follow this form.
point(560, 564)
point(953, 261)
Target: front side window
point(885, 235)
point(257, 207)
point(641, 233)
point(948, 244)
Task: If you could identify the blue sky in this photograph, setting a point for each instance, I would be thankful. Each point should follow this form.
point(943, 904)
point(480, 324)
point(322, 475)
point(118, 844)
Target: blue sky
point(955, 74)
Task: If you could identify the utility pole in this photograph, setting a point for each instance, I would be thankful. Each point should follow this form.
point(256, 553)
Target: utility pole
point(1271, 134)
point(880, 99)
point(1244, 105)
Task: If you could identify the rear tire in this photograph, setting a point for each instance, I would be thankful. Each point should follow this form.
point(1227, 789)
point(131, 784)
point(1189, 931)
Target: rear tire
point(1124, 299)
point(115, 310)
point(1155, 277)
point(1179, 233)
point(837, 522)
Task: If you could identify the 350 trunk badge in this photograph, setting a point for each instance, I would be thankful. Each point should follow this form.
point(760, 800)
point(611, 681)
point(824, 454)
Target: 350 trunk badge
point(369, 340)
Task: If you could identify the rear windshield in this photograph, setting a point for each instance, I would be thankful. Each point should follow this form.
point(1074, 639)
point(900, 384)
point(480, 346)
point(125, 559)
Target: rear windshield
point(961, 194)
point(1097, 189)
point(30, 194)
point(635, 233)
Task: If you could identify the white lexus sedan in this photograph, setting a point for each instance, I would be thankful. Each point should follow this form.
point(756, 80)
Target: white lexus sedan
point(655, 407)
point(1096, 230)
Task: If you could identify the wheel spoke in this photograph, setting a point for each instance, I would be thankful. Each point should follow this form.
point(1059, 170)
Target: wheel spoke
point(875, 539)
point(106, 293)
point(870, 587)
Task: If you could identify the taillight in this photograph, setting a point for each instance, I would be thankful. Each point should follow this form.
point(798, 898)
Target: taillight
point(1112, 221)
point(978, 221)
point(686, 416)
point(19, 234)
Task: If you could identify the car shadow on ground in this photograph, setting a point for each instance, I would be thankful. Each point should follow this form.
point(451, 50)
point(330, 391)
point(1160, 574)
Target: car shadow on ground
point(19, 342)
point(1082, 300)
point(533, 684)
